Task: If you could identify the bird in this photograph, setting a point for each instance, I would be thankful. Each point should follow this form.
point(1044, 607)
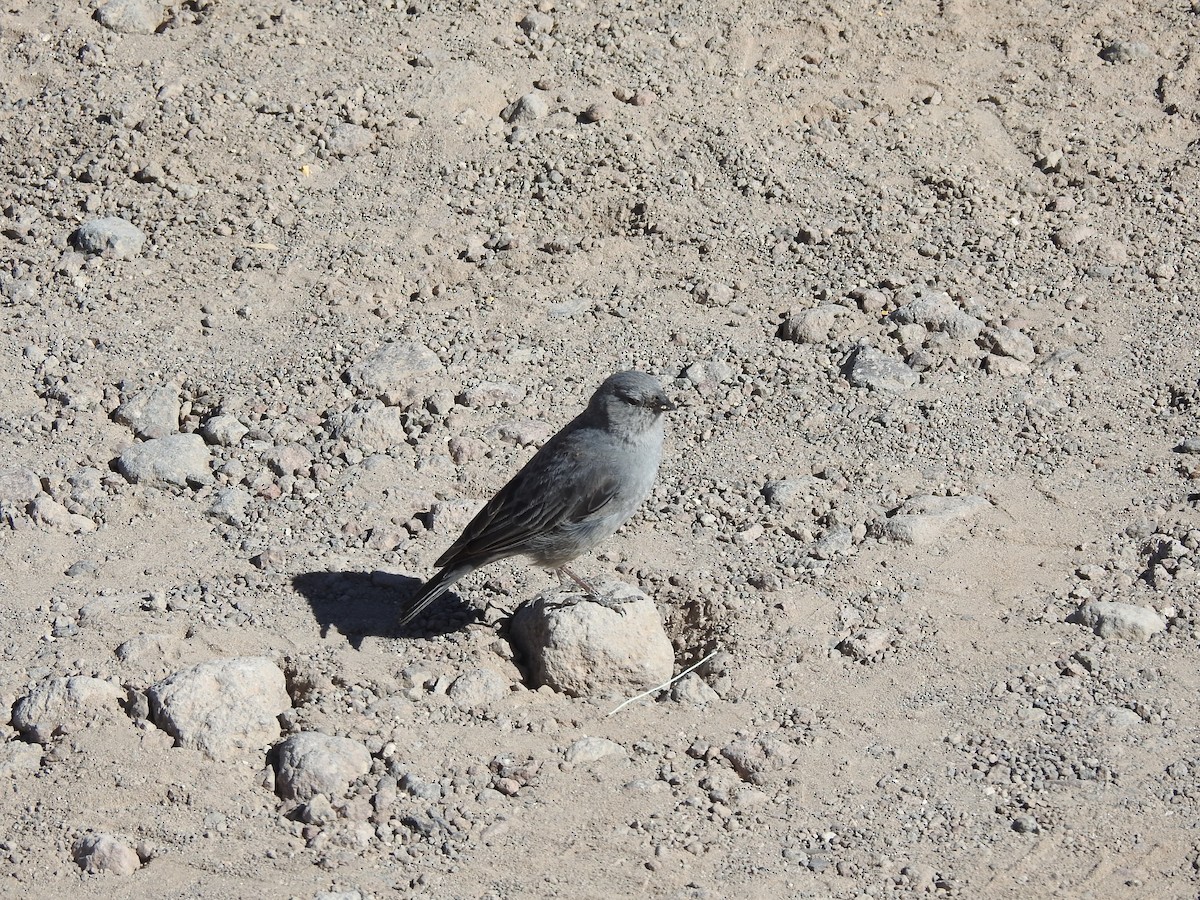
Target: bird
point(575, 492)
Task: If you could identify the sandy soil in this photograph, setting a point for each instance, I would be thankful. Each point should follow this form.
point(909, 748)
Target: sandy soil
point(1001, 199)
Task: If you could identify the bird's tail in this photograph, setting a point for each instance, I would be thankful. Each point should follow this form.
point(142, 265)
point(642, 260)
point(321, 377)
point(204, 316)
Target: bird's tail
point(434, 588)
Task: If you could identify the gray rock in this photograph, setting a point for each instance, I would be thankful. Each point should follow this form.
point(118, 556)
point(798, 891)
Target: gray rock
point(1119, 620)
point(96, 853)
point(712, 371)
point(478, 687)
point(936, 311)
point(229, 505)
point(375, 428)
point(175, 459)
point(19, 485)
point(58, 706)
point(48, 511)
point(1010, 342)
point(151, 654)
point(693, 689)
point(838, 541)
point(583, 648)
point(130, 16)
point(1187, 445)
point(593, 749)
point(760, 761)
point(395, 373)
point(526, 108)
point(222, 706)
point(714, 294)
point(111, 235)
point(18, 758)
point(224, 430)
point(820, 324)
point(789, 492)
point(865, 643)
point(152, 413)
point(311, 763)
point(348, 139)
point(922, 520)
point(288, 459)
point(872, 369)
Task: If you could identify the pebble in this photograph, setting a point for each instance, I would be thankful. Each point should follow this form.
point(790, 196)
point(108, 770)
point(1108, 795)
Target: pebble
point(866, 644)
point(1187, 445)
point(761, 760)
point(19, 485)
point(1119, 620)
point(130, 16)
point(713, 371)
point(395, 373)
point(289, 459)
point(924, 519)
point(1025, 825)
point(694, 690)
point(224, 430)
point(176, 459)
point(372, 430)
point(229, 505)
point(99, 853)
point(593, 749)
point(152, 413)
point(820, 324)
point(311, 763)
point(112, 236)
point(478, 687)
point(584, 649)
point(872, 369)
point(526, 108)
point(1010, 342)
point(222, 706)
point(936, 311)
point(348, 139)
point(58, 706)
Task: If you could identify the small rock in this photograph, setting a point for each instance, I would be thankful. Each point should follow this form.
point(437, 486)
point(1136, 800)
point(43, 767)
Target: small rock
point(526, 433)
point(583, 648)
point(593, 749)
point(50, 512)
point(62, 705)
point(693, 689)
point(1187, 445)
point(18, 759)
point(534, 22)
point(96, 853)
point(112, 236)
point(152, 413)
point(922, 520)
point(224, 430)
point(19, 485)
point(1025, 825)
point(526, 108)
point(1119, 620)
point(1005, 366)
point(492, 393)
point(596, 112)
point(712, 371)
point(820, 324)
point(936, 311)
point(130, 16)
point(837, 541)
point(872, 369)
point(865, 644)
point(222, 706)
point(229, 505)
point(759, 761)
point(348, 139)
point(289, 459)
point(311, 763)
point(1010, 342)
point(1124, 51)
point(175, 460)
point(714, 294)
point(478, 687)
point(374, 429)
point(395, 373)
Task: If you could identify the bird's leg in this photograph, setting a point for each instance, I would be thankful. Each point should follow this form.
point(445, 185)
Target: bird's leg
point(605, 600)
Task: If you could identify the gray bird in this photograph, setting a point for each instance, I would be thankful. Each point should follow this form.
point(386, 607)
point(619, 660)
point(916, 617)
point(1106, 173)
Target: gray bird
point(575, 491)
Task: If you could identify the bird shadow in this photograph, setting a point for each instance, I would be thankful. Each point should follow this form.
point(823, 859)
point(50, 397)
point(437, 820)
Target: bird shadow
point(358, 605)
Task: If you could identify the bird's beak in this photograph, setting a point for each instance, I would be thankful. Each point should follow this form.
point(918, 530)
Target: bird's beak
point(665, 405)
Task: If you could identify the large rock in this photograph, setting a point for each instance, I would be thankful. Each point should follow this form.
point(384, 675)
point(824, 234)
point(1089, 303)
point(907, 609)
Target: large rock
point(222, 706)
point(96, 853)
point(172, 460)
point(152, 413)
point(62, 705)
point(872, 369)
point(395, 373)
point(936, 311)
point(923, 519)
point(580, 647)
point(1119, 620)
point(311, 763)
point(19, 485)
point(111, 235)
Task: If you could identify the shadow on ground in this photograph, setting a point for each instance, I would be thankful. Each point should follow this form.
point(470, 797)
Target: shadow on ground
point(368, 604)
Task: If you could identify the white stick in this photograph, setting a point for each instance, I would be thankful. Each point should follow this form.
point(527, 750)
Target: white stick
point(665, 684)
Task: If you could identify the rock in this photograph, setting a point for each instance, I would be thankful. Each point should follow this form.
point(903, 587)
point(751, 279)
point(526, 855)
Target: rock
point(714, 294)
point(49, 512)
point(58, 706)
point(526, 432)
point(526, 108)
point(18, 759)
point(222, 706)
point(478, 687)
point(175, 460)
point(1010, 342)
point(593, 749)
point(153, 654)
point(582, 648)
point(936, 311)
point(152, 413)
point(395, 373)
point(375, 428)
point(922, 520)
point(713, 371)
point(229, 505)
point(112, 236)
point(1005, 366)
point(224, 430)
point(789, 492)
point(1119, 620)
point(348, 139)
point(492, 393)
point(1187, 445)
point(311, 763)
point(820, 324)
point(693, 689)
point(759, 761)
point(1124, 51)
point(865, 643)
point(290, 459)
point(19, 485)
point(838, 541)
point(1025, 825)
point(871, 369)
point(534, 22)
point(97, 853)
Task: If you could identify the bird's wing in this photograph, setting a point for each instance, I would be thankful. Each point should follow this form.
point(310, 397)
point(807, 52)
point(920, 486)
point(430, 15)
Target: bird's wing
point(539, 499)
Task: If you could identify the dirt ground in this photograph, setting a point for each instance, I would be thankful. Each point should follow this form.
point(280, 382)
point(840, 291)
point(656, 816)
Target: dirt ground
point(923, 277)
